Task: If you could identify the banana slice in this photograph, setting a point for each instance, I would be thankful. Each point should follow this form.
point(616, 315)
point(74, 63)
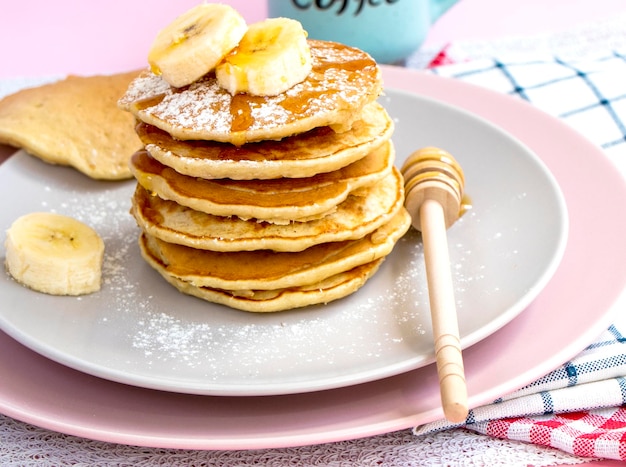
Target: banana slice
point(272, 57)
point(54, 254)
point(195, 42)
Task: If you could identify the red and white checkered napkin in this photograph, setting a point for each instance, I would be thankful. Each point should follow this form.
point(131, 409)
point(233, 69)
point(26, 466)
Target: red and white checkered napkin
point(598, 433)
point(579, 408)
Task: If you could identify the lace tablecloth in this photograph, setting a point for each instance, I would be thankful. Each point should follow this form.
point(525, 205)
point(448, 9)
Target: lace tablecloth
point(542, 70)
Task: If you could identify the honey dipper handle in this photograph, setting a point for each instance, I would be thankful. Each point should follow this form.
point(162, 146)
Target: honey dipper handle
point(443, 312)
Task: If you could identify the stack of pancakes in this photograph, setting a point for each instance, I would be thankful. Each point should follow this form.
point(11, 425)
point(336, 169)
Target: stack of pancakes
point(268, 203)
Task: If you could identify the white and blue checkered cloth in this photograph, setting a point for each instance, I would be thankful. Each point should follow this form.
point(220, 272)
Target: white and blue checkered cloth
point(594, 379)
point(589, 94)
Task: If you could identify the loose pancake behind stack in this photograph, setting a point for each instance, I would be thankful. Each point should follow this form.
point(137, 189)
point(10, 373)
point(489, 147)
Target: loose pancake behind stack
point(268, 203)
point(74, 122)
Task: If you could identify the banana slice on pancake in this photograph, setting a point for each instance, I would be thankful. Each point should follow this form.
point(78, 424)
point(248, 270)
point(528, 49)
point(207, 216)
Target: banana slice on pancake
point(264, 59)
point(273, 56)
point(278, 201)
point(195, 42)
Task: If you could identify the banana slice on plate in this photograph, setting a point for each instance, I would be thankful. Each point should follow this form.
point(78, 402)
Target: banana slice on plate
point(272, 57)
point(54, 254)
point(195, 42)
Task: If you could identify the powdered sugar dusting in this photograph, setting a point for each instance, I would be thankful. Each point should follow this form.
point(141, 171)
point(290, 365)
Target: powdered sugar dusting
point(166, 329)
point(142, 87)
point(140, 330)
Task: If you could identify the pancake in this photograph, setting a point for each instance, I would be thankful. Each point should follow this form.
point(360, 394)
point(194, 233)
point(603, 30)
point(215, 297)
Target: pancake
point(305, 155)
point(356, 217)
point(268, 203)
point(269, 270)
point(268, 301)
point(279, 201)
point(343, 80)
point(74, 122)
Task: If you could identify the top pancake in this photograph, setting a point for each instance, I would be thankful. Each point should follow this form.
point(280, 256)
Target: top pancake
point(343, 80)
point(74, 122)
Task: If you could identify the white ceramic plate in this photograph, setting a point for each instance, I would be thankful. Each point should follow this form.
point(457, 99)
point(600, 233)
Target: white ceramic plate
point(140, 331)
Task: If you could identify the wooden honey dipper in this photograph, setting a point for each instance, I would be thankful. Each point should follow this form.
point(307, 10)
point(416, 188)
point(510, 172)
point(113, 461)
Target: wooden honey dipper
point(434, 184)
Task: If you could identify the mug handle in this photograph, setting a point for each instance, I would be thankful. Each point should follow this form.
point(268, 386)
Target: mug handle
point(439, 7)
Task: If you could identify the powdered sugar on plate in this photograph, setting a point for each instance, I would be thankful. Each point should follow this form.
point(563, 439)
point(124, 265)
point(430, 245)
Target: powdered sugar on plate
point(139, 330)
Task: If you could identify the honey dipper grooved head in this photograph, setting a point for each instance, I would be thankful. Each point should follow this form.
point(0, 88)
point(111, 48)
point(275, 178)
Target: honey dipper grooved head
point(432, 173)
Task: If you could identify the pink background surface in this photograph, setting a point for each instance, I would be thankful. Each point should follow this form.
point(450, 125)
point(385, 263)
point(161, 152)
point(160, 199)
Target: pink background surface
point(41, 37)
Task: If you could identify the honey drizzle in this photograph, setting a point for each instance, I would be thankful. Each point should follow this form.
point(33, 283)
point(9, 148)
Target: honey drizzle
point(149, 102)
point(241, 111)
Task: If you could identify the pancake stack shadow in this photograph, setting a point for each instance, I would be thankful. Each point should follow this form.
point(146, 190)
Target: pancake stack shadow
point(266, 203)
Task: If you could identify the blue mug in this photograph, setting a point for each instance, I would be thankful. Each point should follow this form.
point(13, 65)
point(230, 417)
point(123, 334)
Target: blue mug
point(389, 30)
